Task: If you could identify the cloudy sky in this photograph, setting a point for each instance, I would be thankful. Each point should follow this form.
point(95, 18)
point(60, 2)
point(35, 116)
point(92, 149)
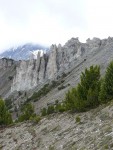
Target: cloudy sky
point(53, 21)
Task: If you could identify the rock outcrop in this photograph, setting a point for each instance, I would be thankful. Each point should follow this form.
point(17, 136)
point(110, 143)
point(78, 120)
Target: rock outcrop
point(5, 63)
point(54, 62)
point(46, 67)
point(7, 72)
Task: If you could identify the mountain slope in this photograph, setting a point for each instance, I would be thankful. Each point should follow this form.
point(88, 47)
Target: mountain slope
point(22, 52)
point(7, 72)
point(70, 59)
point(62, 132)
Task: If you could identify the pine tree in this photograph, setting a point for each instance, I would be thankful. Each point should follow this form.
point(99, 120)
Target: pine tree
point(89, 87)
point(85, 95)
point(106, 92)
point(70, 99)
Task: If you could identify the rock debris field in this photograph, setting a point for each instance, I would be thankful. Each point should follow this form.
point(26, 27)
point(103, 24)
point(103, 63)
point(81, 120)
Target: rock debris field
point(63, 132)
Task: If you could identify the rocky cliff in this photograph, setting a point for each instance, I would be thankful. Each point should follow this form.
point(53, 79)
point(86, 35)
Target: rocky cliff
point(7, 72)
point(48, 66)
point(59, 59)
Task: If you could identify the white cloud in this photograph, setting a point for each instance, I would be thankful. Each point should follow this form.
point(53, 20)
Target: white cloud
point(53, 21)
point(99, 18)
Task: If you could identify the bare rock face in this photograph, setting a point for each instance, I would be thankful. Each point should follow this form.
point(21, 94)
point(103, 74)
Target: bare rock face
point(26, 76)
point(95, 42)
point(42, 69)
point(52, 63)
point(68, 53)
point(29, 73)
point(7, 72)
point(5, 63)
point(48, 66)
point(56, 61)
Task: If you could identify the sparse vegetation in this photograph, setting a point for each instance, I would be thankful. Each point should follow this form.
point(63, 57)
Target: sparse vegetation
point(8, 103)
point(78, 119)
point(44, 112)
point(35, 119)
point(19, 93)
point(61, 87)
point(10, 77)
point(60, 108)
point(51, 147)
point(50, 109)
point(27, 112)
point(43, 91)
point(64, 75)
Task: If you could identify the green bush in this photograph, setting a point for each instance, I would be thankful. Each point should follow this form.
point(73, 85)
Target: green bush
point(8, 103)
point(56, 102)
point(61, 87)
point(62, 81)
point(78, 120)
point(10, 77)
point(19, 93)
point(50, 109)
point(35, 119)
point(27, 112)
point(64, 75)
point(54, 84)
point(61, 108)
point(5, 116)
point(44, 112)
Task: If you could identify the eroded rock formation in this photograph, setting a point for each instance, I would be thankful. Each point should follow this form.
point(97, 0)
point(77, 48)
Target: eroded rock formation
point(53, 63)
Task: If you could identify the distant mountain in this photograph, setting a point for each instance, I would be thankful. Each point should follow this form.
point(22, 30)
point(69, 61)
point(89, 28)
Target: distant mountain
point(22, 52)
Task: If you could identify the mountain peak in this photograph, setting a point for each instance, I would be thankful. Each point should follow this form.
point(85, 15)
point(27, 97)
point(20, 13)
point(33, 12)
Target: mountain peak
point(22, 52)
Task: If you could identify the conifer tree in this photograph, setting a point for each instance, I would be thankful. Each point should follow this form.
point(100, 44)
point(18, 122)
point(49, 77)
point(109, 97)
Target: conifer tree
point(106, 92)
point(85, 95)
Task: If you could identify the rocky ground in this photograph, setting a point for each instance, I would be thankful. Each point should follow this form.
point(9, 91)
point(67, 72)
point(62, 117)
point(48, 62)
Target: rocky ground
point(62, 132)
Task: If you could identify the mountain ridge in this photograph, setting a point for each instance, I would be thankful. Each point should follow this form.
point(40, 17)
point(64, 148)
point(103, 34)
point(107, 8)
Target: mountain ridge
point(22, 52)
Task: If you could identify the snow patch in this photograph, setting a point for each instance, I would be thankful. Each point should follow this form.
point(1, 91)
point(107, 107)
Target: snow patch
point(35, 53)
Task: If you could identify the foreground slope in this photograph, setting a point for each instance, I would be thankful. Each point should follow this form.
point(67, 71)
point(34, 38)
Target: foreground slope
point(61, 131)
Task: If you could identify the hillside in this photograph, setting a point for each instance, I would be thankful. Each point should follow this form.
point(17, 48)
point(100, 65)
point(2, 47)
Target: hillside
point(50, 76)
point(61, 131)
point(62, 63)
